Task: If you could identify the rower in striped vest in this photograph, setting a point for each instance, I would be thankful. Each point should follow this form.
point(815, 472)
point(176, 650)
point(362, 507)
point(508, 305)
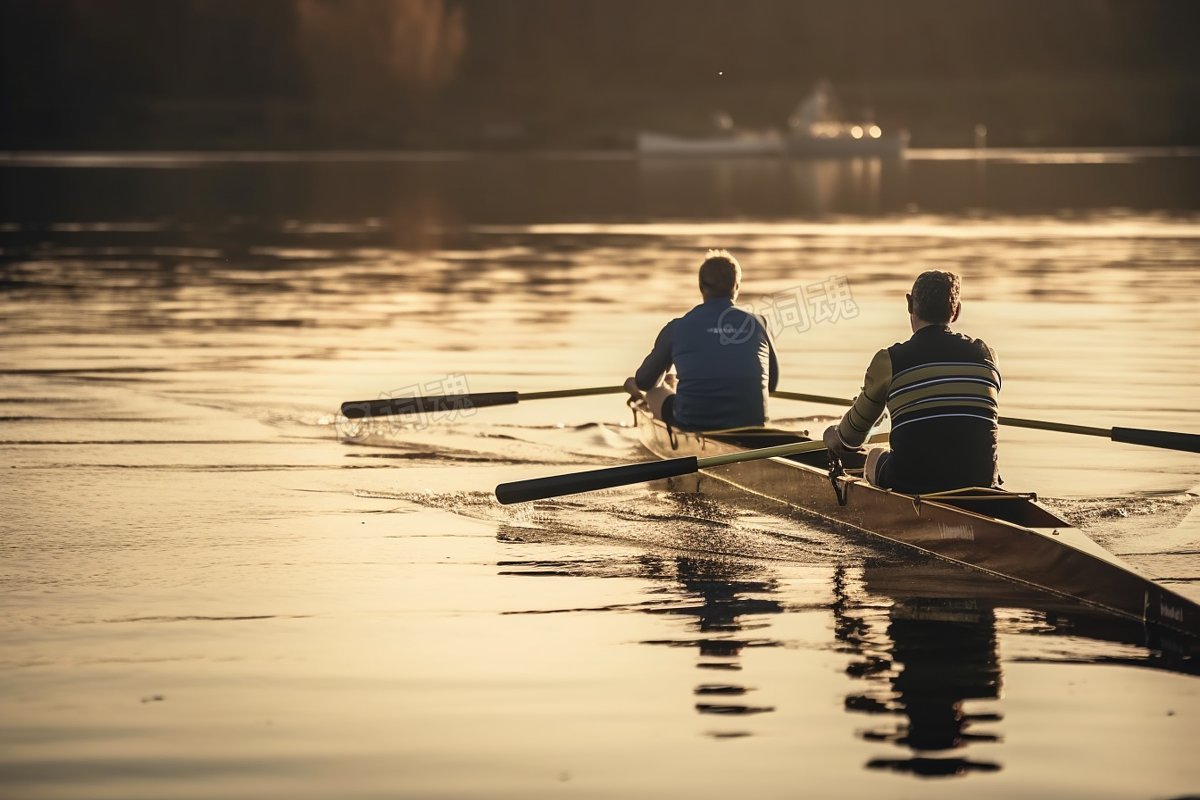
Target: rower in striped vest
point(940, 388)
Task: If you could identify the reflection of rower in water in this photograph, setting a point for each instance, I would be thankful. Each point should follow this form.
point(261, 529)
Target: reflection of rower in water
point(727, 594)
point(935, 649)
point(935, 654)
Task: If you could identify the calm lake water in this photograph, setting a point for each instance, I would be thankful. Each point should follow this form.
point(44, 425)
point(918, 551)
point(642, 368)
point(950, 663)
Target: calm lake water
point(211, 589)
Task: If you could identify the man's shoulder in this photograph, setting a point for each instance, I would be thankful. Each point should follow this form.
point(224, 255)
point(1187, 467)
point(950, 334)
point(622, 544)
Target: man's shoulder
point(979, 344)
point(941, 344)
point(975, 346)
point(665, 332)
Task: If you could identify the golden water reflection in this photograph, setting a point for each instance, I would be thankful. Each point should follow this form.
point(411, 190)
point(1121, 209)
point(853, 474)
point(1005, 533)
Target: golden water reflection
point(174, 336)
point(922, 643)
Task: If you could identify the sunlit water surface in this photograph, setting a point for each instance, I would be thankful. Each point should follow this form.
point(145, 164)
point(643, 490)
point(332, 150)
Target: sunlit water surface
point(209, 590)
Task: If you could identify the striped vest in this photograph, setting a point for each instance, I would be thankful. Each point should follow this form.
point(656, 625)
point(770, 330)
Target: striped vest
point(942, 401)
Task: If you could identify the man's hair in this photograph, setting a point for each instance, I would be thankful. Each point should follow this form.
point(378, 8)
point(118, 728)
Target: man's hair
point(719, 273)
point(935, 296)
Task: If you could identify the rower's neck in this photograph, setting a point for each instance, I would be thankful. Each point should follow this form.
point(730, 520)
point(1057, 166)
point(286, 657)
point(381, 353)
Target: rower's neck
point(920, 324)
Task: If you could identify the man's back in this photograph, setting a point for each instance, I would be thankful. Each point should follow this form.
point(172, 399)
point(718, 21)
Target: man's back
point(942, 401)
point(725, 362)
point(724, 358)
point(941, 388)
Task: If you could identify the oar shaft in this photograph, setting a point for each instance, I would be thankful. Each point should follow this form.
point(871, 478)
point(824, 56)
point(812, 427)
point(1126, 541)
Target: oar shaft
point(570, 393)
point(1042, 425)
point(385, 406)
point(812, 398)
point(1169, 440)
point(762, 452)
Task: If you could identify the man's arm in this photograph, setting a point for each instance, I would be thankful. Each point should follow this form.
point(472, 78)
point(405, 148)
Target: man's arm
point(991, 356)
point(656, 364)
point(773, 360)
point(870, 404)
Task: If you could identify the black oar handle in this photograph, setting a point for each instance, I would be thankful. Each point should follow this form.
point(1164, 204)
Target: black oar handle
point(590, 481)
point(1189, 442)
point(357, 409)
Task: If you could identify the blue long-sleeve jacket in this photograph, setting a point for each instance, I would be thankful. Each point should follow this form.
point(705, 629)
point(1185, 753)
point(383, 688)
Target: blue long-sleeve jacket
point(726, 364)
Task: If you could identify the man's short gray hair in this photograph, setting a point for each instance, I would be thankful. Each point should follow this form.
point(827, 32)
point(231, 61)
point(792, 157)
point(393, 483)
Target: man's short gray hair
point(935, 296)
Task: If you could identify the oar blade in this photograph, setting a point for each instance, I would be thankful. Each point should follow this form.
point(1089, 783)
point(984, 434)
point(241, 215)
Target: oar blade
point(1170, 440)
point(386, 406)
point(592, 480)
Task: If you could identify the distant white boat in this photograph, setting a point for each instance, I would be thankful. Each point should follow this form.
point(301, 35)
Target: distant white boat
point(811, 133)
point(746, 143)
point(854, 141)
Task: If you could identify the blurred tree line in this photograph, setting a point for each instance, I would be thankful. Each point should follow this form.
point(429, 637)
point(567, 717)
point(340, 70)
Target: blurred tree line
point(460, 73)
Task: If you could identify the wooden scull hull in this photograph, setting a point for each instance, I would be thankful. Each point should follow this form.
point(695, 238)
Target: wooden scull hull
point(1008, 535)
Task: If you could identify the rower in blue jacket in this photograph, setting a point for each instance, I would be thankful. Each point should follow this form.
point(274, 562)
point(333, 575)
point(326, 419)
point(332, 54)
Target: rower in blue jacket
point(723, 357)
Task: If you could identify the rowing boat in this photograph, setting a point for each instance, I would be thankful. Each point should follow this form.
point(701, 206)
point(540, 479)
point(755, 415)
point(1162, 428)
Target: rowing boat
point(1009, 535)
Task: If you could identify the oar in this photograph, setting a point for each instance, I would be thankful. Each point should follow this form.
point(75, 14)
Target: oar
point(357, 409)
point(1170, 440)
point(813, 398)
point(608, 477)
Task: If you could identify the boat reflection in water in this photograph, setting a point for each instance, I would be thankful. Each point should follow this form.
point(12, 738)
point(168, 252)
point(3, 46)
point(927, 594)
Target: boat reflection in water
point(931, 658)
point(922, 638)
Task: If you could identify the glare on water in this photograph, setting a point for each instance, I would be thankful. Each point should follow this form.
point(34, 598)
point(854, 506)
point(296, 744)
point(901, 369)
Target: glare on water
point(210, 587)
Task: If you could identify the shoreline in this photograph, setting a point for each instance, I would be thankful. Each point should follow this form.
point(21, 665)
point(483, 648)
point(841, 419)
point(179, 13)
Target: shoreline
point(189, 157)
